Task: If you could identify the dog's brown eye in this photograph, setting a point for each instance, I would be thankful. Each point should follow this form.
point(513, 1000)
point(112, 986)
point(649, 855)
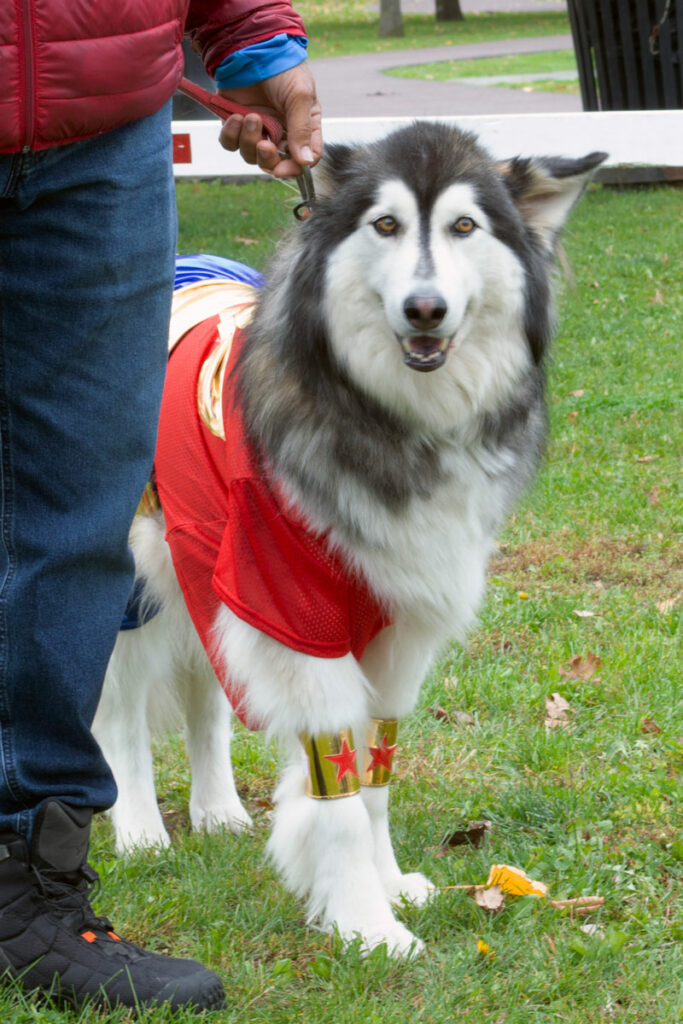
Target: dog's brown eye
point(385, 225)
point(464, 226)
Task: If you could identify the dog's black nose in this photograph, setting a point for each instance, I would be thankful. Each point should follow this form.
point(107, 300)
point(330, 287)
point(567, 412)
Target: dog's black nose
point(425, 312)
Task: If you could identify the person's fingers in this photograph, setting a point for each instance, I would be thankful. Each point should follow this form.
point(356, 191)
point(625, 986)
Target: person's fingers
point(243, 133)
point(275, 162)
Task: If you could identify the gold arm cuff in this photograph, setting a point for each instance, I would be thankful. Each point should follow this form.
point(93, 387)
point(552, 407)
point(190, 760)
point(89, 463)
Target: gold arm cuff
point(331, 765)
point(380, 747)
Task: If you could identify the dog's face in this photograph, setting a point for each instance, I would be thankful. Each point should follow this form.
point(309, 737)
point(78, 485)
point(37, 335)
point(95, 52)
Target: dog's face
point(438, 262)
point(429, 270)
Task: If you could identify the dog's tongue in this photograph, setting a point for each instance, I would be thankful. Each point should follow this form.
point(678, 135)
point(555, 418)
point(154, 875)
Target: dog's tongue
point(423, 352)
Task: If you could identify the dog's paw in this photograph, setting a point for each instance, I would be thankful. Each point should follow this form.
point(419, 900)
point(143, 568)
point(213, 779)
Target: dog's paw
point(412, 888)
point(129, 840)
point(400, 942)
point(232, 816)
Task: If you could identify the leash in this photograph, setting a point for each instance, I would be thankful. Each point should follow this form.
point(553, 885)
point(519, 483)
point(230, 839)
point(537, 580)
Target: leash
point(272, 129)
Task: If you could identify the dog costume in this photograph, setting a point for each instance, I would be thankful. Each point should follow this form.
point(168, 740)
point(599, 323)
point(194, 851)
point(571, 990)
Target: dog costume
point(233, 537)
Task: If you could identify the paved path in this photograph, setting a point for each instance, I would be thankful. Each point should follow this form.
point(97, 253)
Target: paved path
point(356, 86)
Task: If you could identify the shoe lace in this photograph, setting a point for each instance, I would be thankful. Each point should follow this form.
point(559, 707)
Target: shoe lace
point(70, 895)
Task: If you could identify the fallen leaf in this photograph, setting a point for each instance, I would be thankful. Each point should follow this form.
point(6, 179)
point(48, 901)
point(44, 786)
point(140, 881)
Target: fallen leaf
point(490, 898)
point(669, 603)
point(653, 498)
point(593, 929)
point(246, 241)
point(556, 711)
point(581, 666)
point(579, 905)
point(452, 717)
point(473, 835)
point(579, 393)
point(650, 726)
point(647, 458)
point(584, 613)
point(657, 299)
point(514, 881)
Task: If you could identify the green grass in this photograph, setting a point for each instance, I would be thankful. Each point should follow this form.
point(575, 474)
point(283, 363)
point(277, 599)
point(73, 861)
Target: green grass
point(514, 64)
point(591, 811)
point(340, 29)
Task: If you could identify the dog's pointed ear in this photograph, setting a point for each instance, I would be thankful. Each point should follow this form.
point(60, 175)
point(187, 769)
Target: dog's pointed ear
point(329, 172)
point(546, 188)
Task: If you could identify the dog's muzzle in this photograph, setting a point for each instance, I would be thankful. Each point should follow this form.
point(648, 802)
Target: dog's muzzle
point(423, 348)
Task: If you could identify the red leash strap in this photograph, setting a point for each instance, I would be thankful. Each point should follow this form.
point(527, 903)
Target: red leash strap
point(223, 108)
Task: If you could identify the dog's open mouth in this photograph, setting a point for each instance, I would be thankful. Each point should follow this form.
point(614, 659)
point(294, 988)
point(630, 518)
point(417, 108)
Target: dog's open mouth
point(422, 352)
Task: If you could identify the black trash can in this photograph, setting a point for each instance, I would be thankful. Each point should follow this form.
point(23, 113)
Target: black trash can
point(628, 53)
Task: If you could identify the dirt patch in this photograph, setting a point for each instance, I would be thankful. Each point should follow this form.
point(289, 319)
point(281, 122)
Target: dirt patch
point(609, 561)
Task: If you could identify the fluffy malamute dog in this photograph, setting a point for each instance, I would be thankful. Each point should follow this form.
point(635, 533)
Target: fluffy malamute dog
point(333, 465)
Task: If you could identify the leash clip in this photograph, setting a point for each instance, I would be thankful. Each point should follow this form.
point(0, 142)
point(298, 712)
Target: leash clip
point(304, 209)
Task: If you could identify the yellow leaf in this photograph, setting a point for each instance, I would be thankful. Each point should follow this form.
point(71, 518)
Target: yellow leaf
point(515, 882)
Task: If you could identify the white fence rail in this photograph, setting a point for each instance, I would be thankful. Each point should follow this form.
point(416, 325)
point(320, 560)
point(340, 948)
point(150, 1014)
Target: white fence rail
point(635, 140)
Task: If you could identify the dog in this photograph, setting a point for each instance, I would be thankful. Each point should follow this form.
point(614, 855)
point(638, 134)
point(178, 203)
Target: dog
point(337, 452)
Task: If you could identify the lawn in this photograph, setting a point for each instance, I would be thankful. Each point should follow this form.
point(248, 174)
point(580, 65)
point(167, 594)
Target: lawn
point(534, 65)
point(339, 29)
point(585, 601)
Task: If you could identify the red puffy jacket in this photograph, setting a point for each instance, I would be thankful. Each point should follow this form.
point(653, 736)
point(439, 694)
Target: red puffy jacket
point(73, 69)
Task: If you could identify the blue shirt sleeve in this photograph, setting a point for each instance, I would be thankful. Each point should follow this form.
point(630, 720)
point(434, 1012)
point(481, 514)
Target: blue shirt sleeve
point(261, 60)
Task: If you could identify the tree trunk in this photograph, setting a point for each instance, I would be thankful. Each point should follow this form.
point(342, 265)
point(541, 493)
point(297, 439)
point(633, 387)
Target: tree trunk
point(390, 18)
point(449, 10)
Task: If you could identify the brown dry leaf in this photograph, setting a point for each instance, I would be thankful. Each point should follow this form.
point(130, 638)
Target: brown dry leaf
point(653, 498)
point(452, 717)
point(473, 835)
point(579, 393)
point(647, 458)
point(491, 898)
point(650, 726)
point(657, 299)
point(582, 666)
point(579, 905)
point(556, 708)
point(670, 602)
point(246, 241)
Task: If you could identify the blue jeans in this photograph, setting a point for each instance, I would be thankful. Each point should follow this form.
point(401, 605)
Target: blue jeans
point(87, 240)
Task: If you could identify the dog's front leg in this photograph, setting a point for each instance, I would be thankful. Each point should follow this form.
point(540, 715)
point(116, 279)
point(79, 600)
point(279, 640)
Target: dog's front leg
point(396, 662)
point(322, 840)
point(324, 850)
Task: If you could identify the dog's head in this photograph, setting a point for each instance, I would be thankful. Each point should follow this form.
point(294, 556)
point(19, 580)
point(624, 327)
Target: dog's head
point(427, 227)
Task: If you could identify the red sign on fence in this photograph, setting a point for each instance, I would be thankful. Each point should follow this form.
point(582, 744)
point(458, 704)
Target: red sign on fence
point(182, 150)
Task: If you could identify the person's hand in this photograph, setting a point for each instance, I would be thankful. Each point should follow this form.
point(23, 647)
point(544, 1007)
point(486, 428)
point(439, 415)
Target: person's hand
point(289, 96)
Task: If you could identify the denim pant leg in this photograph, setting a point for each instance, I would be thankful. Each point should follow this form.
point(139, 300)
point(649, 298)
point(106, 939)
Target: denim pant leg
point(87, 239)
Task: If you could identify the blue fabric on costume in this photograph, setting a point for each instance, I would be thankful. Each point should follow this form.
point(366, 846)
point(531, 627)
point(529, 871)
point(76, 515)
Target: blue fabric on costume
point(204, 267)
point(261, 60)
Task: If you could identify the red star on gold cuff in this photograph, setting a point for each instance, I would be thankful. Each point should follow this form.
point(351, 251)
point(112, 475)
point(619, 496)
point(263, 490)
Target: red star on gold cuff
point(345, 761)
point(382, 755)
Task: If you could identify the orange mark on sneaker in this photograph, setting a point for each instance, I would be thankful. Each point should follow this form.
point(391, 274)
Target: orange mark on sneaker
point(89, 936)
point(114, 936)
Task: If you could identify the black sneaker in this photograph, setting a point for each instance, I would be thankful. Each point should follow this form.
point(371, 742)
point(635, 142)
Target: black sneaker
point(52, 941)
